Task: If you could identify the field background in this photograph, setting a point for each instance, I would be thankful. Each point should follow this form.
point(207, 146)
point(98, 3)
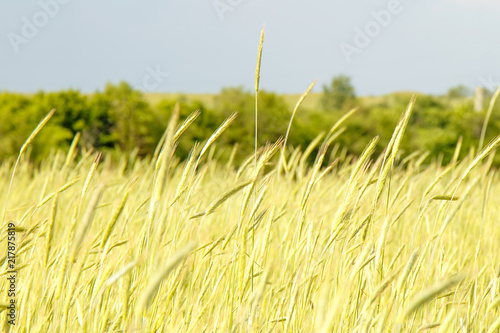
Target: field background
point(312, 102)
point(122, 119)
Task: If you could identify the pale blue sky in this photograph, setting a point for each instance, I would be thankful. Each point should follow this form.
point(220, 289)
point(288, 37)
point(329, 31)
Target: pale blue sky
point(428, 45)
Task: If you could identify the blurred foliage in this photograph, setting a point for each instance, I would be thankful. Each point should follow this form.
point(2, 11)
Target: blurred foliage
point(120, 118)
point(339, 95)
point(459, 91)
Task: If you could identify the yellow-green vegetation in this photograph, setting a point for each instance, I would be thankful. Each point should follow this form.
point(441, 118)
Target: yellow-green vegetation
point(206, 99)
point(374, 243)
point(209, 100)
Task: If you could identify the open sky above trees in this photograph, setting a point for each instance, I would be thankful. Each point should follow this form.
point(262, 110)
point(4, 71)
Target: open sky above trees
point(426, 45)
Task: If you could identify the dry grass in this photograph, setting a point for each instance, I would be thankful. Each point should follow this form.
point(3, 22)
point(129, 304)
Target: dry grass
point(324, 248)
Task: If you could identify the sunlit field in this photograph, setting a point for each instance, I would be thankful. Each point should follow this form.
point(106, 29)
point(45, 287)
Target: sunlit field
point(277, 244)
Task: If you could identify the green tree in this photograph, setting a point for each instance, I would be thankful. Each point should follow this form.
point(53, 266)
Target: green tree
point(339, 95)
point(72, 108)
point(68, 119)
point(16, 122)
point(72, 116)
point(273, 117)
point(459, 91)
point(121, 116)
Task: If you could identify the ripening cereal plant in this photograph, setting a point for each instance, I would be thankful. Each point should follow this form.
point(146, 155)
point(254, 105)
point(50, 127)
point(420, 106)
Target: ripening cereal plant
point(273, 245)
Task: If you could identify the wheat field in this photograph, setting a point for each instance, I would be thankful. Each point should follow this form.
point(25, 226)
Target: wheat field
point(348, 244)
point(371, 243)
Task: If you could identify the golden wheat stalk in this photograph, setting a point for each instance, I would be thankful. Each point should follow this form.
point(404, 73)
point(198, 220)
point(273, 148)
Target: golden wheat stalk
point(162, 166)
point(90, 175)
point(168, 130)
point(485, 152)
point(487, 118)
point(50, 229)
point(115, 277)
point(152, 287)
point(21, 152)
point(429, 294)
point(86, 221)
point(112, 223)
point(189, 120)
point(299, 102)
point(390, 156)
point(220, 200)
point(352, 184)
point(182, 187)
point(225, 124)
point(71, 152)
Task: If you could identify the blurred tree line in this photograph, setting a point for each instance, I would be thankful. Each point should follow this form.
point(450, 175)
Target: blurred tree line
point(120, 118)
